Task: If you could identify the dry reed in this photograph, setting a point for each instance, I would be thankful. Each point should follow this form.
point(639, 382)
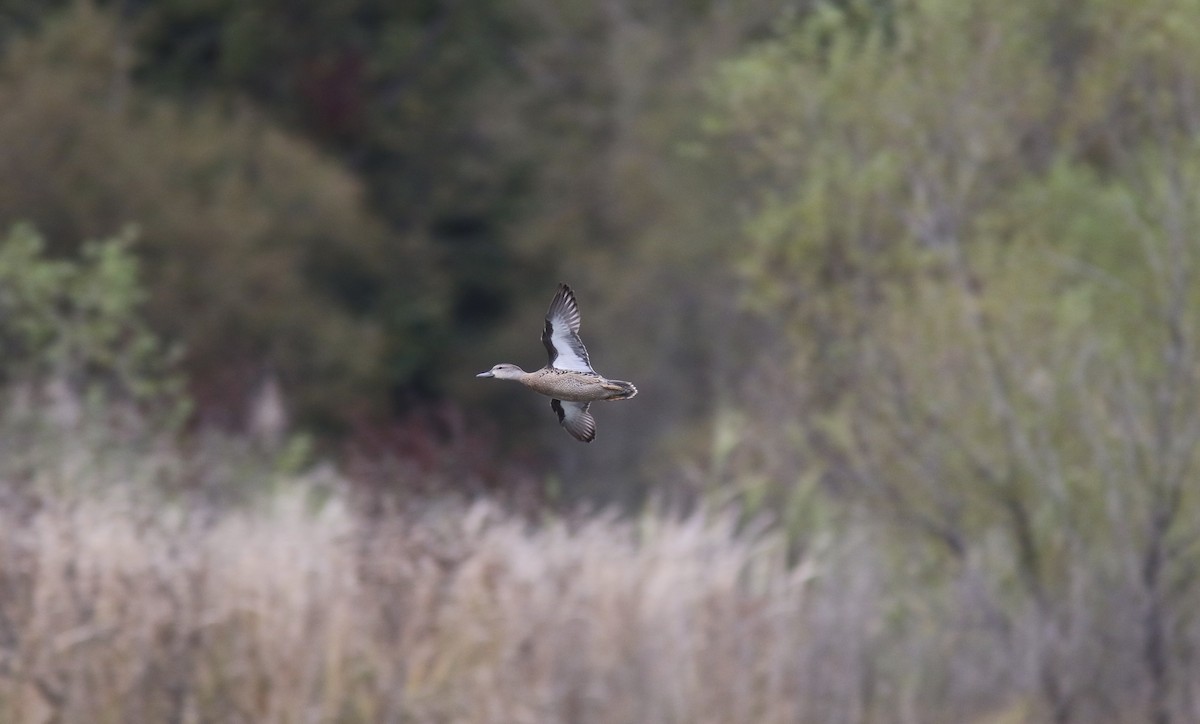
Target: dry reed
point(115, 611)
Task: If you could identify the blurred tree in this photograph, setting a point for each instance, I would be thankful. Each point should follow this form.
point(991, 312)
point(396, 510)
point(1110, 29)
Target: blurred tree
point(414, 97)
point(974, 222)
point(258, 250)
point(23, 16)
point(79, 324)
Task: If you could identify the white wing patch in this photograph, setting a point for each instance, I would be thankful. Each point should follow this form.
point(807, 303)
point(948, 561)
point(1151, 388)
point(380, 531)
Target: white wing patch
point(561, 334)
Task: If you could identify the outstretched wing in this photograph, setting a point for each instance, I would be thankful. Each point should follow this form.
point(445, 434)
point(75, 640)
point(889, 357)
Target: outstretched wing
point(561, 335)
point(575, 417)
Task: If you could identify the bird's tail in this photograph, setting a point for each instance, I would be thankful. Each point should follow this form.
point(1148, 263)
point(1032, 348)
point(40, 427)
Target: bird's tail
point(620, 390)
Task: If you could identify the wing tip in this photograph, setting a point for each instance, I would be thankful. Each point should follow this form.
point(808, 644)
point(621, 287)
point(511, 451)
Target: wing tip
point(563, 290)
point(586, 434)
point(566, 295)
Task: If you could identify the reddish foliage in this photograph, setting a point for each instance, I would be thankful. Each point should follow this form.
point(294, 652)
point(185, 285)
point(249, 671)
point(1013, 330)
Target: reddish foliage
point(435, 451)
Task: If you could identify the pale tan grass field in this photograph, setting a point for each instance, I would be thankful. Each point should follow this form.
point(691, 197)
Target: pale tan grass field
point(155, 584)
point(114, 611)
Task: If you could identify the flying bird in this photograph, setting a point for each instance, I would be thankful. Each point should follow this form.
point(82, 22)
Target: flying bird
point(568, 378)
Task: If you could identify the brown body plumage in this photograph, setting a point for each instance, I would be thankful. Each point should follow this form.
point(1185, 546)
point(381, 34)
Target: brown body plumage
point(576, 386)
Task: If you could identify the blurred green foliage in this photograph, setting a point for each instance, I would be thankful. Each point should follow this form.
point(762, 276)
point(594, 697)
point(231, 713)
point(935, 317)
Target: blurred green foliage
point(419, 101)
point(80, 322)
point(975, 224)
point(258, 250)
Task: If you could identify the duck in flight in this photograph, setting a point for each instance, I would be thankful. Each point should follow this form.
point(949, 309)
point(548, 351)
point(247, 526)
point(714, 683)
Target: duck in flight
point(568, 378)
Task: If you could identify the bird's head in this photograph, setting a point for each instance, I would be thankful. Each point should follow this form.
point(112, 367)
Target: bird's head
point(503, 371)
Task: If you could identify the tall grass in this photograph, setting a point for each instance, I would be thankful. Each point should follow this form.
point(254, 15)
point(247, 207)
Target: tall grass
point(115, 611)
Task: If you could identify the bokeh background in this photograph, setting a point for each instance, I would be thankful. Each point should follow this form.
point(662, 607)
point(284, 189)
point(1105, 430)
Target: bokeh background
point(908, 287)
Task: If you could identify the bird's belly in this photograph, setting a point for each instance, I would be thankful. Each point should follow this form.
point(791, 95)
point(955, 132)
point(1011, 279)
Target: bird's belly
point(568, 389)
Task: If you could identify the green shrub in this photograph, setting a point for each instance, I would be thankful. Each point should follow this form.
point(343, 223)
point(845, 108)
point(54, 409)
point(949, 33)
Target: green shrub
point(80, 322)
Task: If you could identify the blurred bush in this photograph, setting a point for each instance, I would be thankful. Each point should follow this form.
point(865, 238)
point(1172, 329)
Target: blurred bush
point(78, 324)
point(974, 223)
point(258, 251)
